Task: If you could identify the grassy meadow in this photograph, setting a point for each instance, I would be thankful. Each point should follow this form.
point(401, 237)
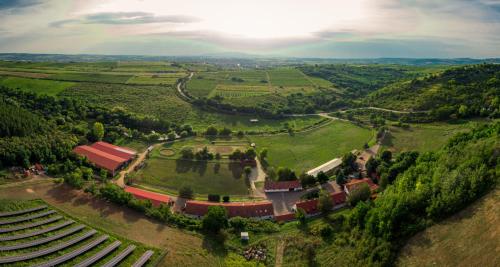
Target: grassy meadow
point(38, 86)
point(423, 137)
point(166, 171)
point(304, 151)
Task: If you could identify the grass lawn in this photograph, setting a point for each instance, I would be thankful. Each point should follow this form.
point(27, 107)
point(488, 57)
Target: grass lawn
point(184, 248)
point(203, 177)
point(423, 137)
point(307, 150)
point(469, 238)
point(38, 86)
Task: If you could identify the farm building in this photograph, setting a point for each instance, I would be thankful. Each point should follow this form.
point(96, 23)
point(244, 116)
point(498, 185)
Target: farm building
point(282, 186)
point(259, 210)
point(285, 217)
point(155, 198)
point(311, 206)
point(354, 183)
point(326, 167)
point(106, 156)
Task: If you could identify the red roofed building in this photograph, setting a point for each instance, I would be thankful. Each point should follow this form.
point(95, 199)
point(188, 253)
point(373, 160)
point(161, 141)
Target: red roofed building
point(354, 183)
point(338, 198)
point(260, 210)
point(282, 186)
point(103, 159)
point(155, 198)
point(121, 152)
point(285, 217)
point(309, 206)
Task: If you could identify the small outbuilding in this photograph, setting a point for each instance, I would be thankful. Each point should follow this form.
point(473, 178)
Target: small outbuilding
point(244, 236)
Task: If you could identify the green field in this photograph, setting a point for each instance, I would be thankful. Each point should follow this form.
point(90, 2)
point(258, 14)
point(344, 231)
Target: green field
point(288, 77)
point(38, 86)
point(159, 101)
point(91, 77)
point(157, 79)
point(422, 137)
point(304, 151)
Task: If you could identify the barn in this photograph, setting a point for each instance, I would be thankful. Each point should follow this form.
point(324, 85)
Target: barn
point(106, 156)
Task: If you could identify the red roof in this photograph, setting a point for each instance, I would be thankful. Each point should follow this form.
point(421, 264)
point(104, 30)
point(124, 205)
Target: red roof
point(282, 185)
point(122, 152)
point(100, 158)
point(356, 182)
point(155, 198)
point(309, 206)
point(243, 209)
point(338, 197)
point(285, 217)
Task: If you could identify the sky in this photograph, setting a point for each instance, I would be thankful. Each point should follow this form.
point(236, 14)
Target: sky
point(284, 28)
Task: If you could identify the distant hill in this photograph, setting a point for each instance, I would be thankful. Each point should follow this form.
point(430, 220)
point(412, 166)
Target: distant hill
point(459, 91)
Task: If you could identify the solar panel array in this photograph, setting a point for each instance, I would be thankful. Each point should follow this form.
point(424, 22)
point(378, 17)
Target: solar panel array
point(17, 225)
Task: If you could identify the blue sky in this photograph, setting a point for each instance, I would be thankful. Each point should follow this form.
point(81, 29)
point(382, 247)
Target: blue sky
point(295, 28)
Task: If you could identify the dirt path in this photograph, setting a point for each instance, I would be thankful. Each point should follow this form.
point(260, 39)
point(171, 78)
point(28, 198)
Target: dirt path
point(389, 110)
point(280, 248)
point(179, 87)
point(257, 175)
point(140, 158)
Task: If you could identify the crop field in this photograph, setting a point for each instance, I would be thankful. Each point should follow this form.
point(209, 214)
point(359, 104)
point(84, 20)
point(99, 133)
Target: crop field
point(200, 87)
point(235, 91)
point(91, 77)
point(468, 238)
point(145, 100)
point(38, 86)
point(24, 74)
point(157, 79)
point(304, 151)
point(184, 248)
point(422, 137)
point(288, 77)
point(61, 231)
point(201, 120)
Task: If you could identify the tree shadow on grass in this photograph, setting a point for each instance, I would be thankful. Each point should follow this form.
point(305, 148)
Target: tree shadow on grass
point(214, 244)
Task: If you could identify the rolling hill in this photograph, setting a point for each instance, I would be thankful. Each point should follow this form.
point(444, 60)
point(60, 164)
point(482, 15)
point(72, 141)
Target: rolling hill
point(461, 91)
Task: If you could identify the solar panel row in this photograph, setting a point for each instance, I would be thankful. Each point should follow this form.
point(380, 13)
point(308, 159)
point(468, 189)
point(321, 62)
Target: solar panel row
point(39, 253)
point(18, 212)
point(27, 218)
point(31, 225)
point(74, 253)
point(40, 241)
point(34, 233)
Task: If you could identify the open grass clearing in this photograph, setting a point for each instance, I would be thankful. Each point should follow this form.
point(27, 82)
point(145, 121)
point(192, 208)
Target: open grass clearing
point(304, 151)
point(38, 86)
point(423, 137)
point(468, 238)
point(203, 177)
